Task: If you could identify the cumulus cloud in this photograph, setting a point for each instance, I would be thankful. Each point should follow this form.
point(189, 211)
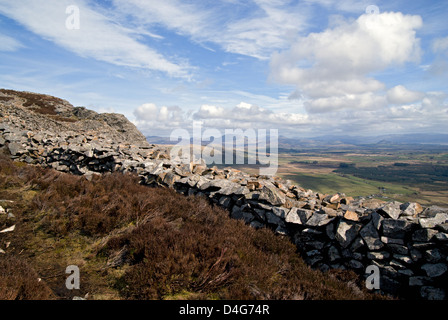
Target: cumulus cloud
point(146, 112)
point(332, 68)
point(209, 111)
point(428, 113)
point(150, 118)
point(435, 102)
point(364, 101)
point(246, 115)
point(400, 95)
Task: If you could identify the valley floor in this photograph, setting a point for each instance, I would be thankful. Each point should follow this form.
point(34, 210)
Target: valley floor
point(396, 172)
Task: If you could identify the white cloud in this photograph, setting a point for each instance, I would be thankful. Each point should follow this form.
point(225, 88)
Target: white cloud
point(153, 120)
point(333, 72)
point(98, 37)
point(146, 112)
point(440, 45)
point(209, 111)
point(246, 115)
point(371, 43)
point(364, 101)
point(273, 28)
point(175, 14)
point(150, 118)
point(435, 102)
point(439, 66)
point(9, 44)
point(401, 95)
point(333, 88)
point(254, 30)
point(355, 6)
point(332, 68)
point(430, 112)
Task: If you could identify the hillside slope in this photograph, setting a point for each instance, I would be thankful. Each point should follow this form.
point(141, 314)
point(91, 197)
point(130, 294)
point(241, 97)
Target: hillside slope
point(405, 242)
point(47, 114)
point(135, 242)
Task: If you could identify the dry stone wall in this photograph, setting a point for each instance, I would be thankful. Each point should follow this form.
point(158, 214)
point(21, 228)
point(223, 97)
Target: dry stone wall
point(408, 243)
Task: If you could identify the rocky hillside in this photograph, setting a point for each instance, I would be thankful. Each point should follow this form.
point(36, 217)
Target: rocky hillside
point(52, 116)
point(406, 242)
point(39, 129)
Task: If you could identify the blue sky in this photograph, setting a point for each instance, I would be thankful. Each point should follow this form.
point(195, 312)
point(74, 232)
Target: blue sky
point(307, 68)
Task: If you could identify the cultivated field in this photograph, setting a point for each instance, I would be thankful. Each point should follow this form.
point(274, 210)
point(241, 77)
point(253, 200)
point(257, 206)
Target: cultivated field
point(399, 172)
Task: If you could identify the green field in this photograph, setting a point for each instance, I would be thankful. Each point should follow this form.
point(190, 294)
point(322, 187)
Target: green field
point(403, 173)
point(350, 185)
point(395, 172)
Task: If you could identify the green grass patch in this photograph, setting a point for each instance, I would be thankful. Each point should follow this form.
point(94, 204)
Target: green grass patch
point(350, 185)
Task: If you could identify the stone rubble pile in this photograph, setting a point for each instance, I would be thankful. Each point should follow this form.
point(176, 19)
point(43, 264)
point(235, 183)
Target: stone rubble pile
point(408, 243)
point(75, 153)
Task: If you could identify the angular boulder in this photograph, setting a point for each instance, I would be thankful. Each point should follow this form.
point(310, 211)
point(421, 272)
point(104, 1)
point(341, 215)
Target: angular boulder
point(272, 195)
point(318, 220)
point(439, 218)
point(392, 209)
point(434, 270)
point(298, 216)
point(346, 232)
point(371, 237)
point(396, 228)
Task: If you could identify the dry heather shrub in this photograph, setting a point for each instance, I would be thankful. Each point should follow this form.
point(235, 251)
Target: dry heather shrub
point(16, 177)
point(6, 99)
point(172, 246)
point(95, 208)
point(193, 248)
point(19, 281)
point(43, 104)
point(39, 103)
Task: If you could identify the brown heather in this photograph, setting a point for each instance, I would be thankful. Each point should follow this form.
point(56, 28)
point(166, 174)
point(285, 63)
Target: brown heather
point(39, 103)
point(136, 242)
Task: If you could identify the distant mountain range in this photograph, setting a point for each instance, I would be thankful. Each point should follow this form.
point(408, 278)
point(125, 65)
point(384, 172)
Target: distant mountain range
point(159, 140)
point(412, 138)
